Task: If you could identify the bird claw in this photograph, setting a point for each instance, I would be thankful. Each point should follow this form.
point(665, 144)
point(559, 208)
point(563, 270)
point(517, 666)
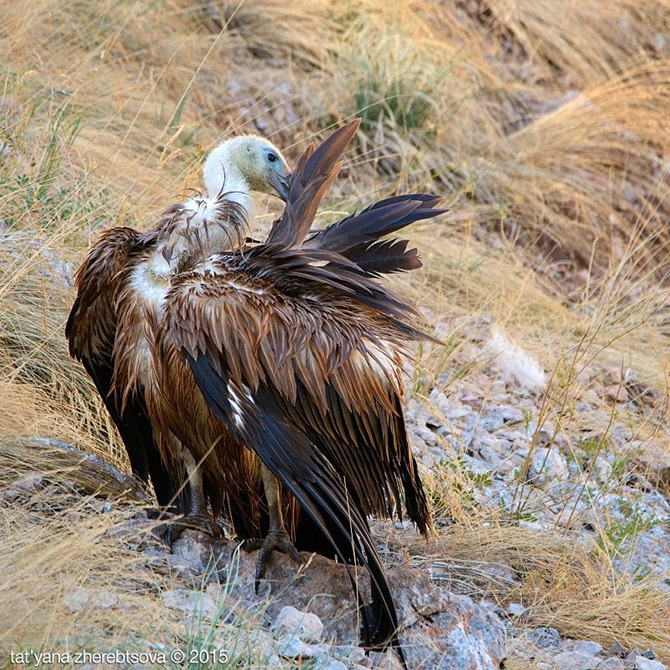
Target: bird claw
point(274, 541)
point(173, 529)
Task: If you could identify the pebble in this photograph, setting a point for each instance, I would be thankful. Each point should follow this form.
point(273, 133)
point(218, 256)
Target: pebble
point(304, 625)
point(642, 663)
point(587, 647)
point(545, 637)
point(323, 662)
point(517, 610)
point(291, 646)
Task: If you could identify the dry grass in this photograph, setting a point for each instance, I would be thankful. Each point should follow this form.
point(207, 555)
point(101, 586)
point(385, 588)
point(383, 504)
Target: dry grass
point(566, 585)
point(546, 131)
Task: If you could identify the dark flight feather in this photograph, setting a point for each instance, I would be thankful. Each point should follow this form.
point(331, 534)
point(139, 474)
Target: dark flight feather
point(379, 219)
point(315, 171)
point(384, 257)
point(297, 462)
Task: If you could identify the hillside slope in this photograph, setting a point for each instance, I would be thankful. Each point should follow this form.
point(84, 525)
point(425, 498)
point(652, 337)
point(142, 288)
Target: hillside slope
point(542, 428)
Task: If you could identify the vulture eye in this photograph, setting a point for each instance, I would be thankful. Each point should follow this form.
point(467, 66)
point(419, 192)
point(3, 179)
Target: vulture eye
point(272, 157)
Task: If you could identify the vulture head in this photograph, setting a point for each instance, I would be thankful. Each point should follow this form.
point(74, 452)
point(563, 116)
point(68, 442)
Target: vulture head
point(243, 164)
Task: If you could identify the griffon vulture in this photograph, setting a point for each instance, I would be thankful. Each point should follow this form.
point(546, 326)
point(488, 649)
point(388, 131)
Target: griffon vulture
point(281, 363)
point(275, 368)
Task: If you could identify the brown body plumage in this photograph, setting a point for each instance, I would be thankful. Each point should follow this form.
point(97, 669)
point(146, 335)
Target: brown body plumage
point(286, 354)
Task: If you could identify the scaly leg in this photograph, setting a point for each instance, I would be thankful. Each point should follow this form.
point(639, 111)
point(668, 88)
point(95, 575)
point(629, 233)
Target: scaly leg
point(277, 537)
point(198, 517)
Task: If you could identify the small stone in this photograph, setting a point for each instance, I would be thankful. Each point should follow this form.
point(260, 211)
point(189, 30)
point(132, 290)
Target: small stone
point(517, 610)
point(304, 625)
point(291, 646)
point(612, 663)
point(587, 648)
point(616, 393)
point(642, 663)
point(191, 602)
point(571, 660)
point(80, 598)
point(545, 638)
point(76, 600)
point(24, 487)
point(618, 650)
point(323, 662)
point(545, 465)
point(350, 654)
point(193, 548)
point(492, 422)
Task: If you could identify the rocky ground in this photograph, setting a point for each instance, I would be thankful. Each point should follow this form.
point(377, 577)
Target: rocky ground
point(505, 456)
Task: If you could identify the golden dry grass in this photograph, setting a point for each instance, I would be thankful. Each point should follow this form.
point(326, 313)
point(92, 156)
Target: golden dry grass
point(545, 129)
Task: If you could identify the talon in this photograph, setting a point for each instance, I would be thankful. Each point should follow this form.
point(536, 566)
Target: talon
point(275, 541)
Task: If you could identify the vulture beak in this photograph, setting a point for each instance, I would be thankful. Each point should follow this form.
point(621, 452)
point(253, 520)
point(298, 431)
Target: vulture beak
point(280, 184)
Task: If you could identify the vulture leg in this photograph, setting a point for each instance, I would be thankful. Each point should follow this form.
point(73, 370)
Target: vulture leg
point(277, 538)
point(198, 517)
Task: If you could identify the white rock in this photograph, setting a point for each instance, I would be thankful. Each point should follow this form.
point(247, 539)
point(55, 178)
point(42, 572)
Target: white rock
point(191, 602)
point(587, 647)
point(642, 663)
point(324, 662)
point(304, 625)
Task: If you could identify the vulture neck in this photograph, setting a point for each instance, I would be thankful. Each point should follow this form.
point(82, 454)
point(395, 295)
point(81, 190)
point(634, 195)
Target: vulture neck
point(223, 177)
point(197, 233)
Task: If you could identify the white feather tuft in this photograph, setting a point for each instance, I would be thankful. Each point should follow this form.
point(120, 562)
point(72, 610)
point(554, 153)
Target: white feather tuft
point(513, 362)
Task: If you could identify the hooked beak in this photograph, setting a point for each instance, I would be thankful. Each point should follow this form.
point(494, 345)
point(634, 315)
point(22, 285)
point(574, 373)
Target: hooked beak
point(280, 184)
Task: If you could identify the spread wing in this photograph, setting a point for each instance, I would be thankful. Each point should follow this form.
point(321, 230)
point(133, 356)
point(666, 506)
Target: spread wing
point(357, 237)
point(91, 329)
point(298, 355)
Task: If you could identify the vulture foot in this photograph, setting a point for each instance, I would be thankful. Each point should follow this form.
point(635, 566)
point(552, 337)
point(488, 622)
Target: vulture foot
point(171, 530)
point(275, 541)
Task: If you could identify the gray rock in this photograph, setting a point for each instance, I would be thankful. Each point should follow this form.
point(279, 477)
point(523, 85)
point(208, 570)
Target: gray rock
point(642, 663)
point(545, 638)
point(517, 610)
point(492, 422)
point(81, 598)
point(437, 629)
point(24, 487)
point(291, 646)
point(192, 602)
point(304, 625)
point(617, 649)
point(545, 465)
point(587, 648)
point(348, 653)
point(193, 548)
point(611, 663)
point(572, 660)
point(323, 662)
point(443, 631)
